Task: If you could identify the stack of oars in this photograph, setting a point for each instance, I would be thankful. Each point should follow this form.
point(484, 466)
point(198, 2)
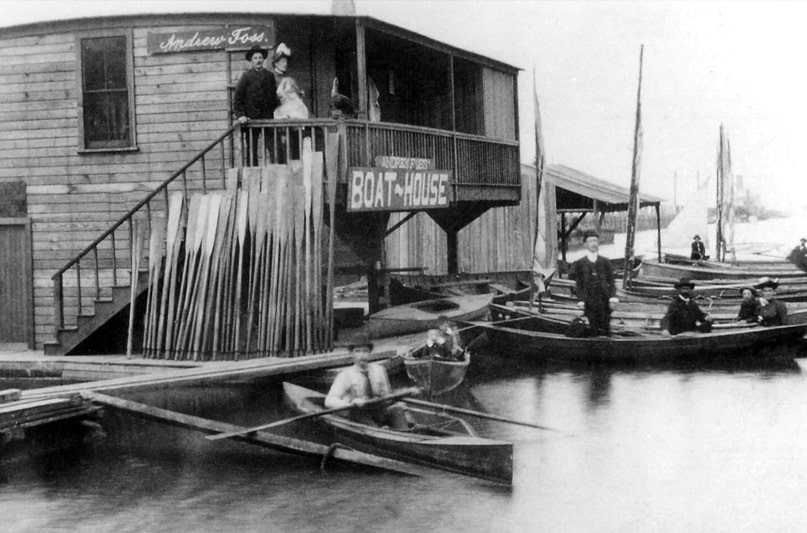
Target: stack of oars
point(244, 279)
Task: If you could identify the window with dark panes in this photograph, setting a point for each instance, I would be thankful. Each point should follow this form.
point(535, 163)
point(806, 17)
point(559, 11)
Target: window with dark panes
point(105, 92)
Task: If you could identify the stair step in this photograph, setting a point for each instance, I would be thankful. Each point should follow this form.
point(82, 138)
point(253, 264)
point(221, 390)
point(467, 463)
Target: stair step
point(104, 300)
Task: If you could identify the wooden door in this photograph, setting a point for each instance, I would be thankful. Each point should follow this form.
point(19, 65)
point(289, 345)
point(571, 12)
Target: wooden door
point(16, 298)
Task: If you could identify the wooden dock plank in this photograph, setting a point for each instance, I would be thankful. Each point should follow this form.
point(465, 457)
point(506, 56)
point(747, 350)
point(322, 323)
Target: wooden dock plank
point(260, 438)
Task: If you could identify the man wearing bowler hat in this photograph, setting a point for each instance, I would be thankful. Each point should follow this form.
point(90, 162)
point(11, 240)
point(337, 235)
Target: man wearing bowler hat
point(594, 282)
point(698, 249)
point(255, 97)
point(683, 314)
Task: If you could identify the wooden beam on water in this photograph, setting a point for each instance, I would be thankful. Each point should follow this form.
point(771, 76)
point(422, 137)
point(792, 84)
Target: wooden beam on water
point(260, 438)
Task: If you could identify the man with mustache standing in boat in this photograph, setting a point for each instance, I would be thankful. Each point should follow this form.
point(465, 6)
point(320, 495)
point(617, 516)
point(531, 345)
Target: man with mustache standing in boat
point(594, 281)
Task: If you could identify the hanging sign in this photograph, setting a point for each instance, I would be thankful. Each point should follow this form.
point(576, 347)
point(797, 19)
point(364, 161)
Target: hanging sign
point(413, 163)
point(380, 189)
point(211, 38)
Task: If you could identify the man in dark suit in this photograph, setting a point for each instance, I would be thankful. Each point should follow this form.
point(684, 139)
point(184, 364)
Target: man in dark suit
point(594, 281)
point(698, 249)
point(683, 314)
point(255, 98)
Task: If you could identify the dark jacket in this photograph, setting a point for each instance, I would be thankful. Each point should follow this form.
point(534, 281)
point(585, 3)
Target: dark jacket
point(683, 315)
point(773, 314)
point(748, 311)
point(594, 281)
point(255, 95)
point(698, 250)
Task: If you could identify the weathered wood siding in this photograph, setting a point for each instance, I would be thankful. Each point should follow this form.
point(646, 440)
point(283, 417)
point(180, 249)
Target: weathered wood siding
point(180, 105)
point(499, 106)
point(499, 240)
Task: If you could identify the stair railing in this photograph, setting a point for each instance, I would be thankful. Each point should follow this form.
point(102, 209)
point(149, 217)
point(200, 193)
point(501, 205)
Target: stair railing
point(93, 248)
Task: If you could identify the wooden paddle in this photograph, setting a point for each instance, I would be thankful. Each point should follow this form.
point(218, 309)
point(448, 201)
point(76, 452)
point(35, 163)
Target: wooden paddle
point(246, 431)
point(477, 414)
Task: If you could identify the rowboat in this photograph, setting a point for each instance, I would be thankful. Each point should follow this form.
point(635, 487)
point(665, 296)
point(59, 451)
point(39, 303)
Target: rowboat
point(437, 439)
point(425, 315)
point(522, 334)
point(436, 375)
point(708, 271)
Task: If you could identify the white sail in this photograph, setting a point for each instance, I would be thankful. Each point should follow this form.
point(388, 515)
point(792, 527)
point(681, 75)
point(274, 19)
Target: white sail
point(690, 221)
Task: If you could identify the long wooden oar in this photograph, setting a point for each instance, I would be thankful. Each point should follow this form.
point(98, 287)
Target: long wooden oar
point(246, 431)
point(477, 414)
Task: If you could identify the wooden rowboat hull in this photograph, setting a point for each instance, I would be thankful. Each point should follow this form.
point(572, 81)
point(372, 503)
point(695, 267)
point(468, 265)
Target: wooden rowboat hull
point(455, 447)
point(437, 376)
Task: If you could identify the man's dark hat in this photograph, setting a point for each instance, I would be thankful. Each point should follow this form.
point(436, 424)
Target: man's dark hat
point(361, 339)
point(684, 282)
point(767, 282)
point(590, 233)
point(803, 239)
point(697, 237)
point(256, 48)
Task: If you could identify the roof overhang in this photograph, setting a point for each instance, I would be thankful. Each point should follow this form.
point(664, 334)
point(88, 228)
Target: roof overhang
point(577, 191)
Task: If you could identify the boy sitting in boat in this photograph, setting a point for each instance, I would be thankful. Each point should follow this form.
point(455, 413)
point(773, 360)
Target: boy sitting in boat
point(441, 343)
point(364, 381)
point(683, 314)
point(770, 311)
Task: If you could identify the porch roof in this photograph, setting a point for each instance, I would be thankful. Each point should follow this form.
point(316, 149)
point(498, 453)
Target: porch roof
point(577, 191)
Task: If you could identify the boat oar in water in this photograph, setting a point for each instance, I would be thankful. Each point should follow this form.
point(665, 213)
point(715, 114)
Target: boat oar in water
point(397, 396)
point(477, 414)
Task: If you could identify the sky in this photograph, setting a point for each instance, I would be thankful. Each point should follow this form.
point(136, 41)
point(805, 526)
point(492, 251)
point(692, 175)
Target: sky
point(739, 63)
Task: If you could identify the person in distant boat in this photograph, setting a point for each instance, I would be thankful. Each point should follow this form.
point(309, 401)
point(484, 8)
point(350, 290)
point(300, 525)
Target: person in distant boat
point(799, 255)
point(437, 346)
point(770, 311)
point(594, 282)
point(698, 249)
point(748, 305)
point(364, 381)
point(255, 98)
point(683, 314)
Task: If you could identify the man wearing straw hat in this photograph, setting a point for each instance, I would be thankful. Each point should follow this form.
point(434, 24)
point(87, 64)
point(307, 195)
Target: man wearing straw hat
point(594, 283)
point(364, 381)
point(770, 312)
point(683, 314)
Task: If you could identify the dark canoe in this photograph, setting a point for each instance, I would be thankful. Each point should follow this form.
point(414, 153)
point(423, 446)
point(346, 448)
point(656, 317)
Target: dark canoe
point(425, 315)
point(438, 439)
point(523, 335)
point(435, 375)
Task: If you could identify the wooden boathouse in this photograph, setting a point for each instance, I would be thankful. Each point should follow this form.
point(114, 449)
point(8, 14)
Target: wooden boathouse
point(105, 119)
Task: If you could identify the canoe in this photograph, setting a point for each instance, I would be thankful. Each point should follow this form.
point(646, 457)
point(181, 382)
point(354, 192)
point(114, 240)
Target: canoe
point(437, 376)
point(425, 315)
point(438, 440)
point(716, 271)
point(521, 335)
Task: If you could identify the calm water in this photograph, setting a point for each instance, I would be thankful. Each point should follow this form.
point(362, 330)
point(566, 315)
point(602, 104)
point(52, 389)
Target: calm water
point(674, 449)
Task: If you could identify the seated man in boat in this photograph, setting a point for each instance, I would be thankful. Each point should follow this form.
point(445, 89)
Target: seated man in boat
point(770, 311)
point(799, 254)
point(698, 249)
point(365, 381)
point(748, 305)
point(683, 314)
point(450, 333)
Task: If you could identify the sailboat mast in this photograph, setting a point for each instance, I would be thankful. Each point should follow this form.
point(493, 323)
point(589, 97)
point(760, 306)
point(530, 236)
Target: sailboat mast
point(633, 205)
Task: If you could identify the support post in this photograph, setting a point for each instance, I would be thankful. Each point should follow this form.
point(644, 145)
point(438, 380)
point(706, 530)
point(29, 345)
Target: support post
point(361, 68)
point(452, 252)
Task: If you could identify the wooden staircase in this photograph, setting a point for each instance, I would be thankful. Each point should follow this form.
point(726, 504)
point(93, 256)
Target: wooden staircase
point(68, 338)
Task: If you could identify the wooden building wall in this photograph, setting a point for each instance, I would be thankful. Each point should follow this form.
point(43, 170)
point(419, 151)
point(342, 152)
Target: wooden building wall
point(501, 239)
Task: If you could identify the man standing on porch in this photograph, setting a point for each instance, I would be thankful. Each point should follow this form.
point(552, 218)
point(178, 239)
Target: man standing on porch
point(594, 280)
point(255, 98)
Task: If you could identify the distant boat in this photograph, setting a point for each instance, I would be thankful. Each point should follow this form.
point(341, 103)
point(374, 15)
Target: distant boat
point(438, 440)
point(425, 315)
point(504, 286)
point(436, 375)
